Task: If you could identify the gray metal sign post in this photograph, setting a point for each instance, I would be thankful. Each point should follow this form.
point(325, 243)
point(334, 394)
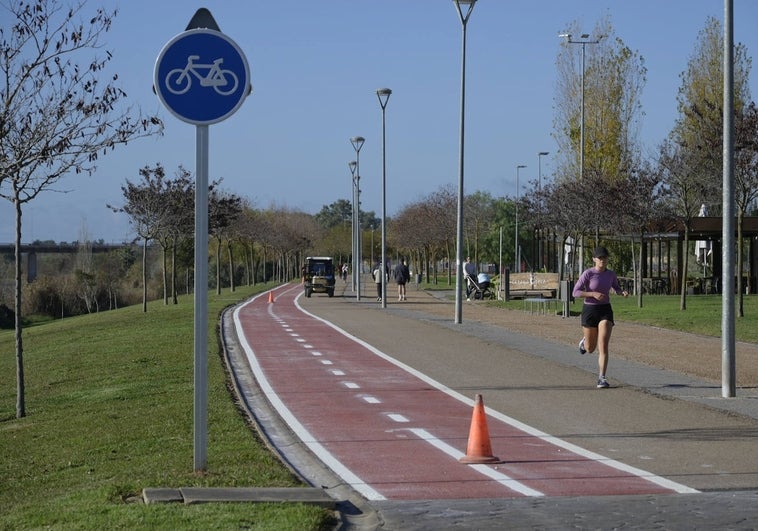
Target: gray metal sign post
point(202, 77)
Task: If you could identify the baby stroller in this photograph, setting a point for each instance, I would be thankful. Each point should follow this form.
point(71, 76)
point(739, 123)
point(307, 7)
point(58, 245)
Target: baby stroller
point(479, 287)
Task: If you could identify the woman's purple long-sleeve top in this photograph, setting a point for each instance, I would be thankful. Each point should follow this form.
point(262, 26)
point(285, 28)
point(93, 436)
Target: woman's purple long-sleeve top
point(594, 280)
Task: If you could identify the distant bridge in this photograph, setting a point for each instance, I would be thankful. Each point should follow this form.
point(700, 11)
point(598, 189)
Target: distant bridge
point(33, 249)
point(44, 248)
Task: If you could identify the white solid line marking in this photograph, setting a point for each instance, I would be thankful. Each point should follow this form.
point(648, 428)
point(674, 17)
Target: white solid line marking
point(482, 469)
point(303, 434)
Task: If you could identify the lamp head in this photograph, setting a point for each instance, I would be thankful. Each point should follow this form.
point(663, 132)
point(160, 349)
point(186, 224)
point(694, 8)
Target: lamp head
point(357, 142)
point(384, 96)
point(352, 165)
point(542, 153)
point(469, 4)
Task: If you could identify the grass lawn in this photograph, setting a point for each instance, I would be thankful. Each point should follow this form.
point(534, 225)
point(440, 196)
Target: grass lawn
point(109, 403)
point(702, 316)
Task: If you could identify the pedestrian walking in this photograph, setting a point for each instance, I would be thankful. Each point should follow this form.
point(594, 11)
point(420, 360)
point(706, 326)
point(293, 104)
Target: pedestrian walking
point(594, 286)
point(402, 275)
point(469, 275)
point(379, 278)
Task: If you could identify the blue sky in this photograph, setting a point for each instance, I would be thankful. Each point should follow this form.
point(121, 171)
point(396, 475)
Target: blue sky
point(315, 67)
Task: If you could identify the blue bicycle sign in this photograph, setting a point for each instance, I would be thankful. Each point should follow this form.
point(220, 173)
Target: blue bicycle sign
point(202, 76)
point(179, 80)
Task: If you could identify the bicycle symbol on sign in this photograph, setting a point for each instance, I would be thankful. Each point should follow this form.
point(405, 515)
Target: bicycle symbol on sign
point(179, 80)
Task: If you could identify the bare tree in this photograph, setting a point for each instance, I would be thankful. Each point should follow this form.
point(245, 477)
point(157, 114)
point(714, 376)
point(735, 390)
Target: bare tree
point(746, 181)
point(684, 194)
point(636, 204)
point(58, 109)
point(147, 209)
point(224, 209)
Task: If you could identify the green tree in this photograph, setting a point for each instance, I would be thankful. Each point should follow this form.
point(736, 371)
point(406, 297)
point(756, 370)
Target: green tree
point(690, 159)
point(699, 126)
point(339, 212)
point(614, 77)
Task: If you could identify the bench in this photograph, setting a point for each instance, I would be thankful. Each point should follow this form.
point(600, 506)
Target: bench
point(531, 286)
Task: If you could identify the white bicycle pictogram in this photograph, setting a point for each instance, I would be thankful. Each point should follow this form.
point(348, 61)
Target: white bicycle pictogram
point(179, 80)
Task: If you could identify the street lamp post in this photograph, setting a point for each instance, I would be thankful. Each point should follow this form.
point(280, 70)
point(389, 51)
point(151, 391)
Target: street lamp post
point(583, 42)
point(357, 142)
point(353, 233)
point(539, 190)
point(469, 4)
point(384, 96)
point(516, 261)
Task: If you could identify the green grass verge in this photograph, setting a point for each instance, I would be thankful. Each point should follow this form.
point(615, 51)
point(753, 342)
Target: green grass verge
point(109, 402)
point(702, 316)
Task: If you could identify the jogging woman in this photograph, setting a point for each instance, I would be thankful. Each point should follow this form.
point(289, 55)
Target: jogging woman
point(594, 286)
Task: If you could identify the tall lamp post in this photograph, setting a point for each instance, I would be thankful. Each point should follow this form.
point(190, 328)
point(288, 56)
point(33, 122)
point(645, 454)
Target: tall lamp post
point(583, 42)
point(516, 261)
point(539, 189)
point(384, 96)
point(357, 142)
point(461, 6)
point(354, 233)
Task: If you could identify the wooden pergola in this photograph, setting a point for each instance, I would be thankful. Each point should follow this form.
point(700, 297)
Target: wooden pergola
point(659, 245)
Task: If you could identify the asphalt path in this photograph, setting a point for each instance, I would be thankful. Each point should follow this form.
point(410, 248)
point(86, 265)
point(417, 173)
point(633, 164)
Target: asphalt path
point(383, 399)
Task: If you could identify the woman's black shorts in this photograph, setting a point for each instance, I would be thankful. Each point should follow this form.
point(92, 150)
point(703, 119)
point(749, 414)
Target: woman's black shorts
point(592, 314)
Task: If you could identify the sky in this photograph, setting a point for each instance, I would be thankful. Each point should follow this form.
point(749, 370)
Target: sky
point(315, 68)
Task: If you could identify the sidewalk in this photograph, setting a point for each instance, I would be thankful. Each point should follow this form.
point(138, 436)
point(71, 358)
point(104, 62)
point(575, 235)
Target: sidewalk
point(661, 361)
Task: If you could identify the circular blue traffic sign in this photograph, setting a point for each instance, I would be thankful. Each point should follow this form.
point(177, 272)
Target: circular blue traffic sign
point(202, 76)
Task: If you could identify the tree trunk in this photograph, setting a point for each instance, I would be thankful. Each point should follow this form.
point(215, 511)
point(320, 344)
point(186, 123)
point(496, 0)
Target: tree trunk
point(740, 289)
point(231, 264)
point(218, 266)
point(144, 275)
point(638, 272)
point(174, 298)
point(164, 259)
point(685, 263)
point(20, 388)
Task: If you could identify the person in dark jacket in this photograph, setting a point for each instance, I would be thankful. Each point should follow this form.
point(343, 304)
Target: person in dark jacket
point(401, 275)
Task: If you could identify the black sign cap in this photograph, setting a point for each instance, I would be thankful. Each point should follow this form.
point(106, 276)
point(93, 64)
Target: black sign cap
point(202, 19)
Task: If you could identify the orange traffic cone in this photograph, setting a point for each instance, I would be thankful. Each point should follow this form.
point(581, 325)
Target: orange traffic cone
point(479, 449)
point(270, 296)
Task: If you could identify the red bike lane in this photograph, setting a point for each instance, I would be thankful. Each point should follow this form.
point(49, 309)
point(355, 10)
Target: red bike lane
point(392, 433)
